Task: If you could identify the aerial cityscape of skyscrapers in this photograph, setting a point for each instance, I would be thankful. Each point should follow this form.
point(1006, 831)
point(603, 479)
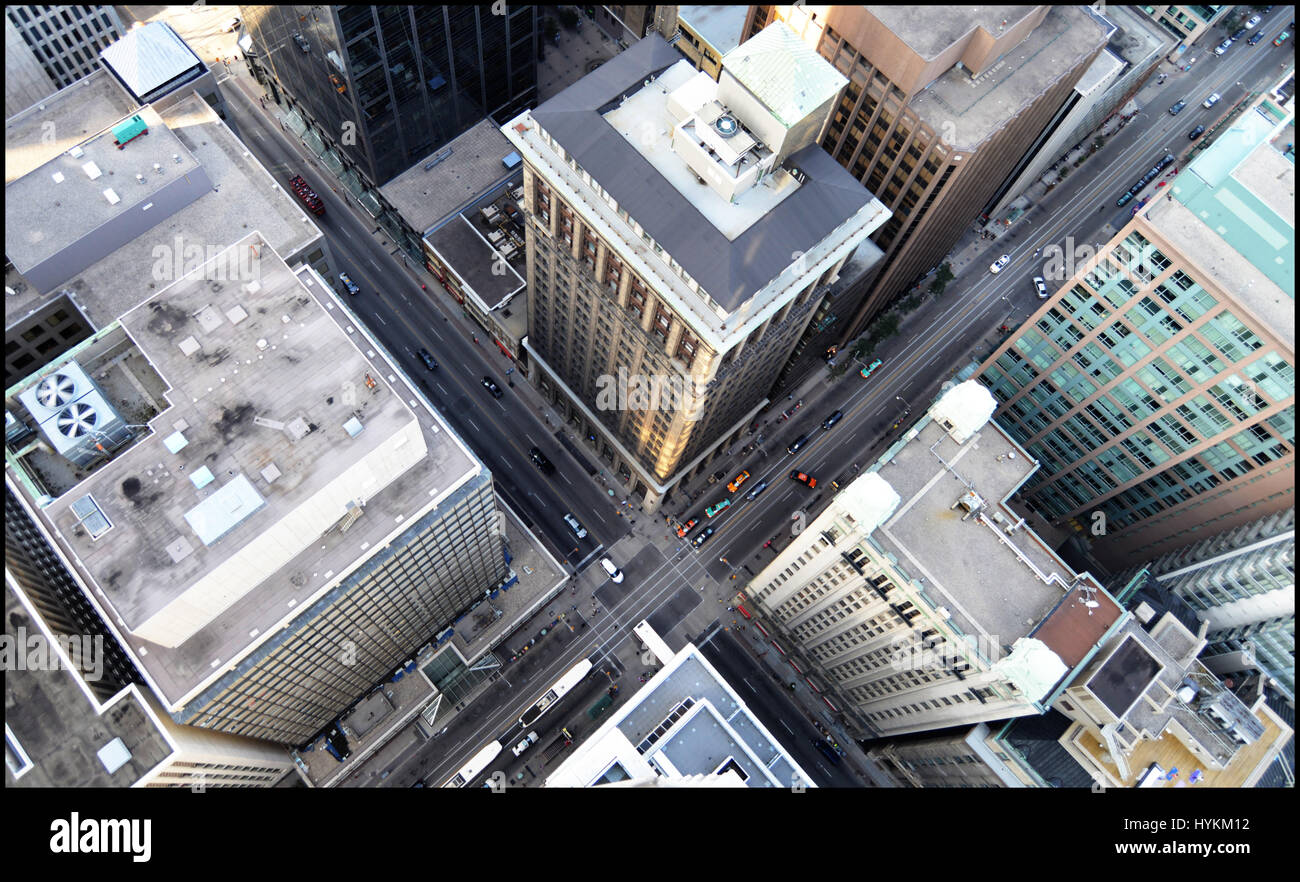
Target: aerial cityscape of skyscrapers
point(517, 396)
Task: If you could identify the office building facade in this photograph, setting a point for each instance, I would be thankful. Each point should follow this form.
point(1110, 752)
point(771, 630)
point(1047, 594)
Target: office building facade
point(26, 81)
point(1185, 23)
point(66, 40)
point(940, 115)
point(280, 540)
point(1157, 386)
point(382, 87)
point(887, 599)
point(681, 231)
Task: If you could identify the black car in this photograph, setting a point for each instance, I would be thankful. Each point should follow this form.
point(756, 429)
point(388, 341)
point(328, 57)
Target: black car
point(1241, 32)
point(1177, 108)
point(539, 459)
point(832, 419)
point(492, 387)
point(703, 537)
point(1196, 133)
point(826, 750)
point(796, 444)
point(1255, 38)
point(427, 359)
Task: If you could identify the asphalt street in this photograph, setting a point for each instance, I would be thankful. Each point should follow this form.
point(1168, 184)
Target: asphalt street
point(774, 709)
point(937, 344)
point(662, 581)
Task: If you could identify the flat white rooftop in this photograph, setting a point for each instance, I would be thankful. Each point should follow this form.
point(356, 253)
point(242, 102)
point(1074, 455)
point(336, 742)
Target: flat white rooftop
point(243, 197)
point(263, 405)
point(64, 200)
point(645, 123)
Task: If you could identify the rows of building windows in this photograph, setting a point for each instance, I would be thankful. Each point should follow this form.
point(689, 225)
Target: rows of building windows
point(1203, 349)
point(67, 40)
point(390, 609)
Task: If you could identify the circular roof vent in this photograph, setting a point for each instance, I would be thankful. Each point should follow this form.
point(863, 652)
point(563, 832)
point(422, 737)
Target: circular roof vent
point(77, 420)
point(726, 125)
point(56, 391)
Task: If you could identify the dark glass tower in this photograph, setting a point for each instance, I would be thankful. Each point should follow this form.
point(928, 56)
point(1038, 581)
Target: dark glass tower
point(387, 85)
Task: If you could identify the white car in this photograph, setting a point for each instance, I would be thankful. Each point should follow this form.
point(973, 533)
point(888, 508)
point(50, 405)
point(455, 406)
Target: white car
point(578, 529)
point(530, 740)
point(1252, 21)
point(999, 263)
point(614, 573)
point(1211, 101)
point(1041, 287)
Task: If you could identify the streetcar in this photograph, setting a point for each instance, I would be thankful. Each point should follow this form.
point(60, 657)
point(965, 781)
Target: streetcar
point(477, 763)
point(558, 690)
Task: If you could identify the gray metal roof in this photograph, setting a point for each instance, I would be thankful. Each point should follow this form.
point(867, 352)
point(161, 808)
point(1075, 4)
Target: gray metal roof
point(729, 271)
point(148, 57)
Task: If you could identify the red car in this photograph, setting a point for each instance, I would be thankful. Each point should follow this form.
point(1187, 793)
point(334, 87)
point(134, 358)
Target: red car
point(687, 527)
point(802, 478)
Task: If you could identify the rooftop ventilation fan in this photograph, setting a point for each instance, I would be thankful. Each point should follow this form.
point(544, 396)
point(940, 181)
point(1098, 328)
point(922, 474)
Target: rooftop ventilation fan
point(77, 420)
point(56, 391)
point(726, 125)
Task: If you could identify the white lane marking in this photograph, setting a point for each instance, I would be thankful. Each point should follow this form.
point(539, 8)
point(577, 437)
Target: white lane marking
point(566, 479)
point(787, 728)
point(440, 387)
point(471, 422)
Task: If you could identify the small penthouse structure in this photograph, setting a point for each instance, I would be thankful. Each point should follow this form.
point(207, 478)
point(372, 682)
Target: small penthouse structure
point(260, 506)
point(920, 599)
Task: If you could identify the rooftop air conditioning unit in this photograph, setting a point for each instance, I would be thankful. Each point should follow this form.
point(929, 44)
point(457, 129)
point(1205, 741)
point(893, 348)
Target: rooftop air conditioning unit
point(74, 415)
point(726, 125)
